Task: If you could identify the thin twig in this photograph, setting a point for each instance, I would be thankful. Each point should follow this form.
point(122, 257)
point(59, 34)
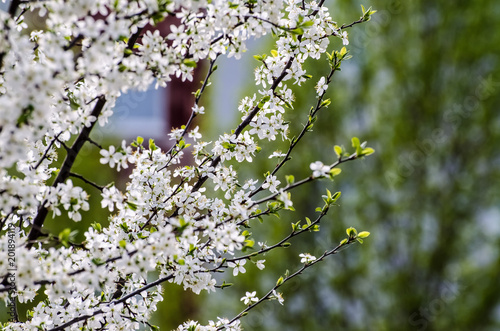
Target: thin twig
point(56, 138)
point(286, 279)
point(284, 240)
point(99, 187)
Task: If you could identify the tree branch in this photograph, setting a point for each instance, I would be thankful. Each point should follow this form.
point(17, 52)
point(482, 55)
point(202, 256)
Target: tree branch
point(99, 187)
point(286, 279)
point(13, 7)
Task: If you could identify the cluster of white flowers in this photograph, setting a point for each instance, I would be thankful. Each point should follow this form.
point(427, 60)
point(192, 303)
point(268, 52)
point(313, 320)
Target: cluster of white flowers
point(319, 169)
point(57, 83)
point(71, 198)
point(307, 258)
point(119, 158)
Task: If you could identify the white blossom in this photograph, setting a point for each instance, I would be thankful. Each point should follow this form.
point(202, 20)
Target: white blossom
point(319, 169)
point(249, 298)
point(307, 258)
point(321, 86)
point(237, 267)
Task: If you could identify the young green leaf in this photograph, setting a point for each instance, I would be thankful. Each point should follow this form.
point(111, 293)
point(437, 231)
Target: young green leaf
point(351, 232)
point(335, 172)
point(367, 151)
point(363, 234)
point(338, 150)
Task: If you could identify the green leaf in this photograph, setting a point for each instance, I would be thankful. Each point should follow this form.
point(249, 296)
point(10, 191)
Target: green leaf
point(157, 17)
point(97, 226)
point(152, 145)
point(297, 31)
point(274, 53)
point(229, 146)
point(224, 285)
point(189, 63)
point(367, 151)
point(335, 172)
point(124, 226)
point(363, 234)
point(325, 103)
point(307, 24)
point(122, 243)
point(98, 261)
point(280, 281)
point(290, 179)
point(264, 100)
point(64, 236)
point(258, 57)
point(351, 232)
point(338, 150)
point(132, 205)
point(249, 243)
point(356, 144)
point(343, 242)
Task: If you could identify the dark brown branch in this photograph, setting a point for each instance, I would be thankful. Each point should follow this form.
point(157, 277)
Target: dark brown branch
point(65, 171)
point(13, 7)
point(121, 300)
point(99, 187)
point(44, 156)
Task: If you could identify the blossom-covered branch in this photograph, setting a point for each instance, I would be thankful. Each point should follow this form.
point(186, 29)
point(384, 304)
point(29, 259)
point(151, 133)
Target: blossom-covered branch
point(182, 223)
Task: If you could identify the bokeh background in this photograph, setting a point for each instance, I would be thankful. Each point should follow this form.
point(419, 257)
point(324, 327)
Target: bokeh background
point(423, 89)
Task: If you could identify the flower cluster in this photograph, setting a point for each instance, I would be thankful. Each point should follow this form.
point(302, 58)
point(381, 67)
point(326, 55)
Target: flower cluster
point(319, 169)
point(307, 258)
point(182, 222)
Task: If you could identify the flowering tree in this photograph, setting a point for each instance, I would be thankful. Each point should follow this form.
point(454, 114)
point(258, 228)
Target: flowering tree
point(177, 223)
